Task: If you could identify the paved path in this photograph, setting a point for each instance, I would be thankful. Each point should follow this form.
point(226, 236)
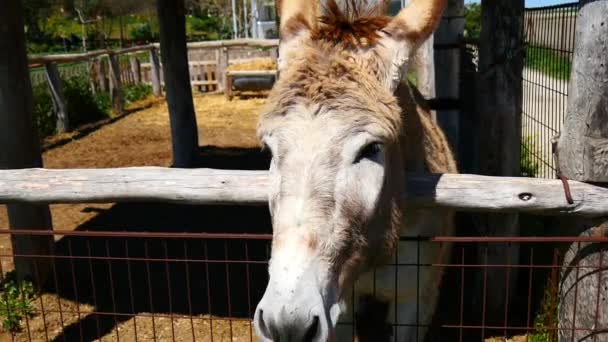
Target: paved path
point(544, 106)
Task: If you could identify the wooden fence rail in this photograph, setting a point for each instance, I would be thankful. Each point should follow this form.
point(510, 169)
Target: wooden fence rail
point(210, 186)
point(111, 70)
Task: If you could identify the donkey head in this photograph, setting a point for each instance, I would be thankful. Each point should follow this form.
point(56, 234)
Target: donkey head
point(334, 129)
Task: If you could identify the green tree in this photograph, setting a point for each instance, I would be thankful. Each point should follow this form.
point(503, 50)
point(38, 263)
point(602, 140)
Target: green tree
point(35, 12)
point(472, 24)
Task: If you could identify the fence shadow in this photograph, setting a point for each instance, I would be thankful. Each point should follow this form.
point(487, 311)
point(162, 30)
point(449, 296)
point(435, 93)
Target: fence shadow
point(166, 275)
point(163, 275)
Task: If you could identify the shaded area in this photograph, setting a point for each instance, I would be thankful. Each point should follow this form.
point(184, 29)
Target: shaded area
point(166, 275)
point(532, 302)
point(233, 158)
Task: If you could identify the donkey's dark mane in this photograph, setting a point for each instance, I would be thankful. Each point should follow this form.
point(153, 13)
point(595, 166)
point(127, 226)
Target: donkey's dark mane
point(354, 23)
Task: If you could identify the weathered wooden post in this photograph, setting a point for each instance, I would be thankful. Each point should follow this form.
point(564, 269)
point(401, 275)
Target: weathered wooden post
point(157, 89)
point(56, 88)
point(223, 61)
point(92, 72)
point(498, 128)
point(582, 155)
point(583, 142)
point(19, 144)
point(100, 71)
point(174, 55)
point(447, 41)
point(135, 69)
point(116, 84)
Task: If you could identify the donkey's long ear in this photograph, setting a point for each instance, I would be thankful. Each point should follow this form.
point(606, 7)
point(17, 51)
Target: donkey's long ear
point(298, 19)
point(404, 34)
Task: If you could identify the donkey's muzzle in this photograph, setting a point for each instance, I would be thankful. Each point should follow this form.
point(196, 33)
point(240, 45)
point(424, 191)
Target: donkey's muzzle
point(295, 308)
point(285, 328)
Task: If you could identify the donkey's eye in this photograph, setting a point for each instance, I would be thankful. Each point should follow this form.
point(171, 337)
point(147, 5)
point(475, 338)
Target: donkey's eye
point(369, 151)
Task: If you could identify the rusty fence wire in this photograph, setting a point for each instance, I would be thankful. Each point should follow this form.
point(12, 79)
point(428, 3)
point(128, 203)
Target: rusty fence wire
point(550, 36)
point(137, 286)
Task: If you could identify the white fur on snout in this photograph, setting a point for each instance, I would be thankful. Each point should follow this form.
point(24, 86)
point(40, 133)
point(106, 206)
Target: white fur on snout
point(290, 261)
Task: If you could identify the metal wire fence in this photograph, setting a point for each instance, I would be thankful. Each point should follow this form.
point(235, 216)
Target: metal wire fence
point(550, 36)
point(136, 286)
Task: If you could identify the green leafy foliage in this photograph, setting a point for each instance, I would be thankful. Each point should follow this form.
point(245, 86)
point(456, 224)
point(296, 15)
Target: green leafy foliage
point(136, 92)
point(204, 23)
point(472, 23)
point(82, 105)
point(142, 32)
point(546, 319)
point(44, 116)
point(528, 166)
point(55, 26)
point(15, 302)
point(549, 62)
point(207, 28)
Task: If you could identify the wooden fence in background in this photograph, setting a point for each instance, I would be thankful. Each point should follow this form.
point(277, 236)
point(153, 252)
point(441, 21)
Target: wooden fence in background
point(110, 70)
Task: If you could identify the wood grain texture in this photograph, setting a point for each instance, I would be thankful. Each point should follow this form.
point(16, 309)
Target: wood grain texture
point(212, 186)
point(583, 142)
point(19, 143)
point(583, 290)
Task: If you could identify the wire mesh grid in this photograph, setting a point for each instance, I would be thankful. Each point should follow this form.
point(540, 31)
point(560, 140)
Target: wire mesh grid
point(114, 286)
point(550, 37)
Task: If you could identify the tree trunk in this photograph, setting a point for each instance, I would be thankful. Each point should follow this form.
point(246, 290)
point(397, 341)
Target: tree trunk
point(19, 144)
point(174, 56)
point(498, 128)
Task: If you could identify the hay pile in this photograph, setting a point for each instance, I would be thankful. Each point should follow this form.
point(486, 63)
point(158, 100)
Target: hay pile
point(254, 65)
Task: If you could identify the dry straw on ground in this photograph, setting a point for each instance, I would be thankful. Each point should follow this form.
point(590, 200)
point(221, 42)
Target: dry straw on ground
point(258, 64)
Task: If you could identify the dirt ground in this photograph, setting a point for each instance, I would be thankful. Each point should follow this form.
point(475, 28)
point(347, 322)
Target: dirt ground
point(141, 138)
point(144, 139)
point(61, 313)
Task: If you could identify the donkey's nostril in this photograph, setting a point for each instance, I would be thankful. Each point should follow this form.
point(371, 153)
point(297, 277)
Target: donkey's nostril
point(313, 330)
